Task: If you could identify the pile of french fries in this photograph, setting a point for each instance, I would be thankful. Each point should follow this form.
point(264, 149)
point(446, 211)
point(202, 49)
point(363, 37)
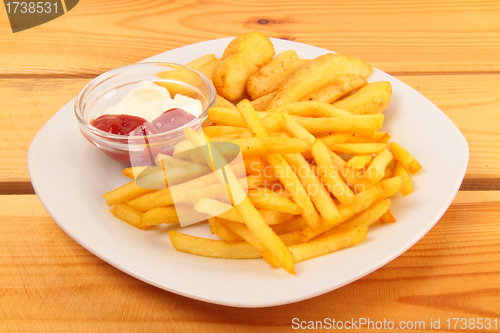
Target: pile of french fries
point(316, 172)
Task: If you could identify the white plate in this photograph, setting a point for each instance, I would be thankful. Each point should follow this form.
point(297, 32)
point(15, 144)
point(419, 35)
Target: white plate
point(70, 175)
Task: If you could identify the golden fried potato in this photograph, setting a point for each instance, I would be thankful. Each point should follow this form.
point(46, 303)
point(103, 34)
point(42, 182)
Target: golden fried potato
point(315, 74)
point(337, 88)
point(242, 58)
point(369, 99)
point(272, 75)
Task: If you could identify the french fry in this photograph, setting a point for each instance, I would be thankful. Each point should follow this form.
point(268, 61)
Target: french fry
point(124, 193)
point(402, 155)
point(372, 98)
point(211, 247)
point(222, 102)
point(324, 245)
point(355, 123)
point(311, 109)
point(223, 232)
point(364, 219)
point(358, 148)
point(358, 162)
point(212, 131)
point(376, 170)
point(263, 198)
point(297, 223)
point(387, 217)
point(328, 173)
point(126, 213)
point(336, 138)
point(170, 214)
point(202, 61)
point(400, 170)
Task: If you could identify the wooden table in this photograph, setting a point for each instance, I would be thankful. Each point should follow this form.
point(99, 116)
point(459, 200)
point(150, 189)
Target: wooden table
point(447, 50)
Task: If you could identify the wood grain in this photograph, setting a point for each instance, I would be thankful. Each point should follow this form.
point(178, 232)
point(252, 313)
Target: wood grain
point(398, 37)
point(471, 101)
point(49, 283)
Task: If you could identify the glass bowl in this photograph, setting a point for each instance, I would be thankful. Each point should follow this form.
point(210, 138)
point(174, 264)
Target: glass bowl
point(109, 88)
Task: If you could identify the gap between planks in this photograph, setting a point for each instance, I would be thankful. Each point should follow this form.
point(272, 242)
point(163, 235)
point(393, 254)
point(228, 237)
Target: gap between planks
point(468, 184)
point(92, 74)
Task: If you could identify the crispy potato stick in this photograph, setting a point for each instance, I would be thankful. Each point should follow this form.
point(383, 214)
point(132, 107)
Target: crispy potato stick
point(223, 232)
point(261, 103)
point(370, 99)
point(281, 168)
point(211, 247)
point(403, 156)
point(221, 101)
point(315, 74)
point(358, 148)
point(263, 198)
point(400, 170)
point(328, 173)
point(358, 162)
point(124, 193)
point(251, 217)
point(376, 170)
point(355, 123)
point(245, 233)
point(337, 88)
point(273, 122)
point(297, 223)
point(164, 197)
point(219, 191)
point(133, 172)
point(212, 131)
point(126, 213)
point(272, 75)
point(311, 109)
point(324, 245)
point(387, 217)
point(293, 128)
point(208, 69)
point(239, 62)
point(254, 165)
point(336, 138)
point(202, 61)
point(384, 189)
point(319, 196)
point(226, 211)
point(172, 176)
point(170, 214)
point(364, 219)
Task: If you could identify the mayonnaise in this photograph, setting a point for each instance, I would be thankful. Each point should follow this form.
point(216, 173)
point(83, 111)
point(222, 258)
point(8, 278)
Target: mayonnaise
point(149, 100)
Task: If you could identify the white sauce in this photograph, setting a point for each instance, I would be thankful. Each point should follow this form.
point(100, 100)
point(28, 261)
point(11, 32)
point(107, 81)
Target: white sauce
point(149, 100)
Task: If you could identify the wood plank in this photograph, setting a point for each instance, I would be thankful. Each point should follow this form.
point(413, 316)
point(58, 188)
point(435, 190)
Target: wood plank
point(397, 37)
point(49, 283)
point(471, 101)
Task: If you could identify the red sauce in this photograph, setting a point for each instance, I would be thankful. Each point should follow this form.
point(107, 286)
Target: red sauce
point(123, 124)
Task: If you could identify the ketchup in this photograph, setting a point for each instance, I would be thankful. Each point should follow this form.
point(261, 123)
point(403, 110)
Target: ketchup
point(128, 125)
